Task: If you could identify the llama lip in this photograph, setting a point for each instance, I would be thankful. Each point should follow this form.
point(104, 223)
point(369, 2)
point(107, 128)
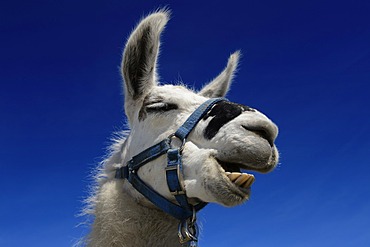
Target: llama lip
point(236, 167)
point(243, 180)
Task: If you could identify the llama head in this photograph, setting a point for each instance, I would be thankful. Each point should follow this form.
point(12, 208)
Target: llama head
point(230, 137)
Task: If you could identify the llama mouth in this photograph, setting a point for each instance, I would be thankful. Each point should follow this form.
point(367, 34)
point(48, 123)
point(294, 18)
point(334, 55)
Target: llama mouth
point(240, 179)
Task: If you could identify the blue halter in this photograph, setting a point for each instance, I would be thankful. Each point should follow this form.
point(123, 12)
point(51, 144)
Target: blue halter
point(174, 171)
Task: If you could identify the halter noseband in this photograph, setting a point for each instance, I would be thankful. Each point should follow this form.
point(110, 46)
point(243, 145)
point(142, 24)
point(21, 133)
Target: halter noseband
point(183, 211)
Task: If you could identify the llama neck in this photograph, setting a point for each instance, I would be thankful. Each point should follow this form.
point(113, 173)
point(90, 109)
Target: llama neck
point(121, 221)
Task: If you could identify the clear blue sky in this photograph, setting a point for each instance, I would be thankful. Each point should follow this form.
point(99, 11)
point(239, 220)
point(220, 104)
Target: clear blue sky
point(306, 64)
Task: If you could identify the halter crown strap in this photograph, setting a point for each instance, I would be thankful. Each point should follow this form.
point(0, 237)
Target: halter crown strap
point(195, 117)
point(174, 171)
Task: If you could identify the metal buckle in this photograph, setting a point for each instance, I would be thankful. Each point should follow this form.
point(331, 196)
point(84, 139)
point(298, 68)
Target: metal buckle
point(179, 175)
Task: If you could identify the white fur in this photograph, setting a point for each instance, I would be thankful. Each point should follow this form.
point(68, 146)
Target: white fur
point(123, 217)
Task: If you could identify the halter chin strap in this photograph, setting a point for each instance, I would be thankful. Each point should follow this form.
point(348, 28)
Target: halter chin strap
point(183, 211)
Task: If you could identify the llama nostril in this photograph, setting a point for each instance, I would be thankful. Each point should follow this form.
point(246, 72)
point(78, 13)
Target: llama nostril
point(262, 132)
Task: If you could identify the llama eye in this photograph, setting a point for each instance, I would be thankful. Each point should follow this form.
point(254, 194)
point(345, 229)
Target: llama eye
point(160, 107)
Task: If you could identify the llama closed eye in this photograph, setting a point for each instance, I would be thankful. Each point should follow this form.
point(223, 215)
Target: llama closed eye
point(160, 107)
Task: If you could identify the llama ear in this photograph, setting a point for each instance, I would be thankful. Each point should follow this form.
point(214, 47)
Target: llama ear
point(219, 86)
point(140, 55)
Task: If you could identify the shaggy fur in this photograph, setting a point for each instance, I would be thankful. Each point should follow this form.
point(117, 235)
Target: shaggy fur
point(116, 212)
point(124, 217)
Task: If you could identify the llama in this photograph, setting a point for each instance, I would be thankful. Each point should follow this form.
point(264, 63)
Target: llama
point(227, 137)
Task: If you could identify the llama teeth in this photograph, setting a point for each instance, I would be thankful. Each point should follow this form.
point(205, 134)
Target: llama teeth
point(234, 175)
point(240, 180)
point(248, 182)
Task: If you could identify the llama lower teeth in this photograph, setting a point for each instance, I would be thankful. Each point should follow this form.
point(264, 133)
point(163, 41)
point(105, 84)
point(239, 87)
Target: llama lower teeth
point(233, 176)
point(248, 182)
point(241, 179)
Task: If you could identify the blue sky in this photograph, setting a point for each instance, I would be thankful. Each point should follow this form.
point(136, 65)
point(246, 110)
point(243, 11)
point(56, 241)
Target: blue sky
point(306, 64)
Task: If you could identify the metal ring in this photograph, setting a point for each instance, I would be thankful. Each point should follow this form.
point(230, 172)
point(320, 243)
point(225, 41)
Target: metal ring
point(170, 137)
point(194, 217)
point(182, 239)
point(192, 231)
point(187, 232)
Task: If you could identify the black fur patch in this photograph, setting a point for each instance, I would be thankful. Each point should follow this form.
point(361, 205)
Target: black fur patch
point(222, 112)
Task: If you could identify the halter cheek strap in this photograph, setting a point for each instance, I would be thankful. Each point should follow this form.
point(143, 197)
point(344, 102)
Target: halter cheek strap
point(183, 211)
